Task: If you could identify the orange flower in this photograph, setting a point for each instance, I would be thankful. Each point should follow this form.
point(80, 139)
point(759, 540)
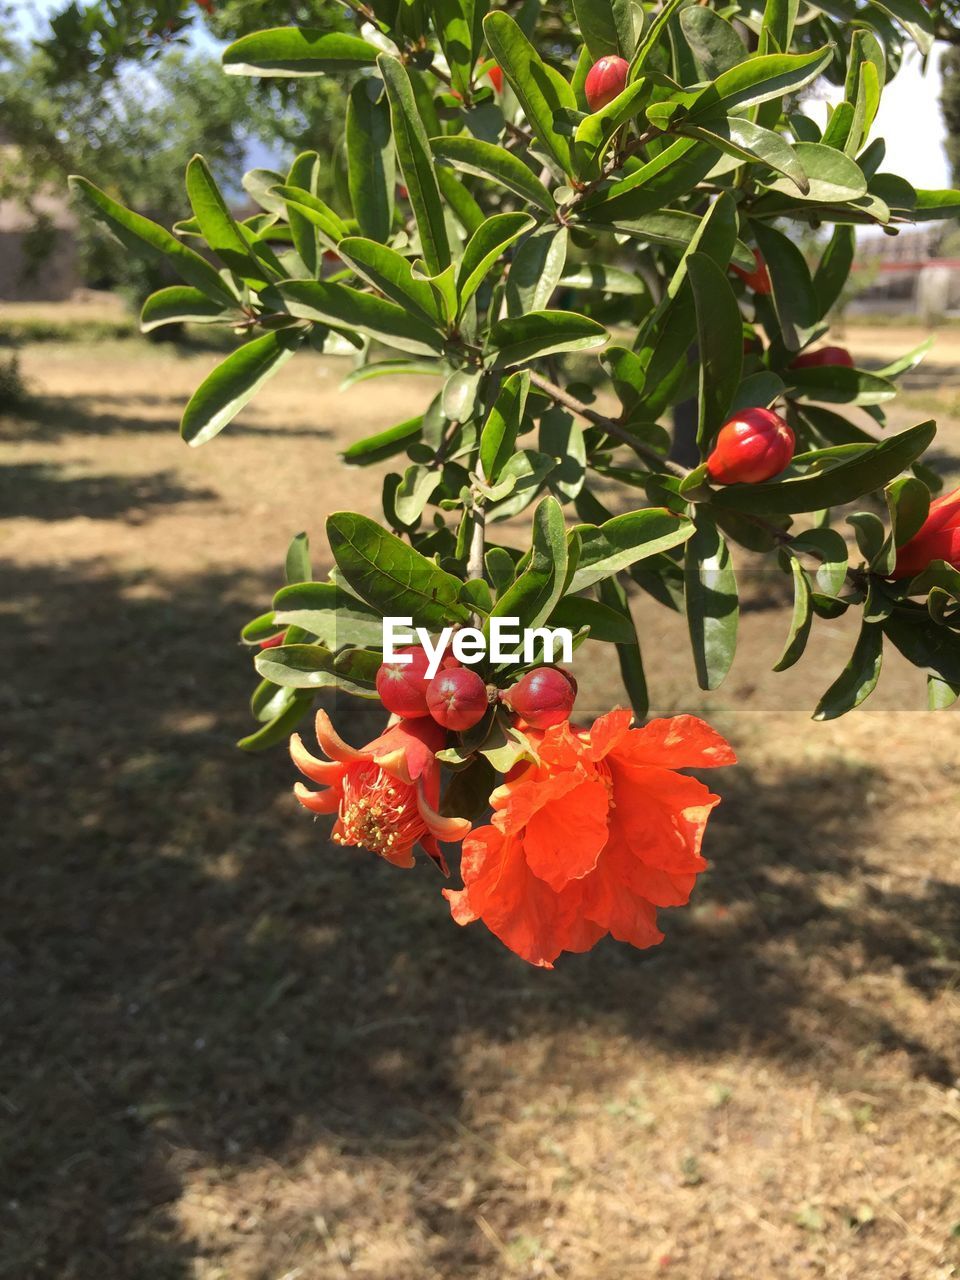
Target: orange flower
point(385, 794)
point(593, 838)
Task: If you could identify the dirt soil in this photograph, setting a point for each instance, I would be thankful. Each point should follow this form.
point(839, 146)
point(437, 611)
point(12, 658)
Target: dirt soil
point(233, 1051)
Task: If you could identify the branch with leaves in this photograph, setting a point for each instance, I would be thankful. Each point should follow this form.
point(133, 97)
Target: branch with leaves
point(536, 221)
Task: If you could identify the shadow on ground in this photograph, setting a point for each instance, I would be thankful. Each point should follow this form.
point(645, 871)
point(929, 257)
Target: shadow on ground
point(189, 967)
point(48, 418)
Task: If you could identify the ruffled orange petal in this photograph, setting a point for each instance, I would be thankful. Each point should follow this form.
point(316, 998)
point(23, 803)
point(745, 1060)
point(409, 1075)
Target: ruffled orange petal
point(662, 816)
point(317, 801)
point(678, 742)
point(563, 840)
point(521, 910)
point(515, 803)
point(323, 771)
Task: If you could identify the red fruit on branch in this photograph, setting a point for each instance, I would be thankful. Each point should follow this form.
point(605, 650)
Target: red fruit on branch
point(402, 686)
point(754, 446)
point(605, 80)
point(543, 697)
point(759, 278)
point(937, 539)
point(496, 77)
point(457, 698)
point(822, 358)
point(274, 641)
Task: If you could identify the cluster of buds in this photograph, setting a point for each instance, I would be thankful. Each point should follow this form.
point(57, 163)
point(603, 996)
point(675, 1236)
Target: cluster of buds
point(457, 697)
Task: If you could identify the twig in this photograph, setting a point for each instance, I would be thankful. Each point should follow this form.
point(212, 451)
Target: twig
point(609, 425)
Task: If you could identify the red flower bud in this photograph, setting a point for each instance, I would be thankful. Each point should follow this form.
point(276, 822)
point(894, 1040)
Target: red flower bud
point(543, 697)
point(457, 698)
point(496, 77)
point(403, 686)
point(823, 357)
point(937, 539)
point(756, 445)
point(273, 641)
point(759, 278)
point(605, 80)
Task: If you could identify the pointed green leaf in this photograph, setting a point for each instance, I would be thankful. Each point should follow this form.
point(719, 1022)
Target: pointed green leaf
point(230, 386)
point(712, 603)
point(297, 51)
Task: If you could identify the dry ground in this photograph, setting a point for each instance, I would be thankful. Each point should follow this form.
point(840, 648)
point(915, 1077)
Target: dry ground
point(232, 1051)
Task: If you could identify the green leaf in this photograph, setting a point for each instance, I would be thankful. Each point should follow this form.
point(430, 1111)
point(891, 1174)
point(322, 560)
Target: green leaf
point(597, 20)
point(720, 337)
point(714, 43)
point(623, 541)
point(908, 501)
point(859, 677)
point(328, 612)
point(541, 91)
point(390, 575)
point(536, 270)
point(217, 224)
point(499, 435)
point(651, 36)
point(712, 602)
point(180, 304)
point(338, 304)
point(416, 164)
point(313, 666)
point(838, 384)
point(801, 620)
point(606, 623)
point(297, 563)
point(794, 297)
point(391, 274)
point(371, 163)
point(499, 165)
point(304, 175)
point(595, 132)
point(871, 468)
point(673, 172)
point(538, 589)
point(758, 80)
point(779, 17)
point(600, 278)
point(752, 144)
point(383, 445)
point(924, 643)
point(833, 270)
point(614, 598)
point(459, 29)
point(297, 51)
point(484, 248)
point(416, 488)
point(542, 333)
point(833, 178)
point(830, 548)
point(146, 239)
point(295, 709)
point(941, 693)
point(232, 384)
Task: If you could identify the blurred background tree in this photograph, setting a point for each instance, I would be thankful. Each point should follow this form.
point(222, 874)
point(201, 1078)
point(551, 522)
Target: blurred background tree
point(124, 92)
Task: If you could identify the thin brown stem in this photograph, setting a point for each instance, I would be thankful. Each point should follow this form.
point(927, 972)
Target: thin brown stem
point(609, 425)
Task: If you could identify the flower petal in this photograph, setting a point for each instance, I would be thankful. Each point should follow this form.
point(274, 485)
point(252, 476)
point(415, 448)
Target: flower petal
point(522, 911)
point(316, 801)
point(563, 839)
point(327, 772)
point(331, 742)
point(662, 816)
point(449, 830)
point(678, 742)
